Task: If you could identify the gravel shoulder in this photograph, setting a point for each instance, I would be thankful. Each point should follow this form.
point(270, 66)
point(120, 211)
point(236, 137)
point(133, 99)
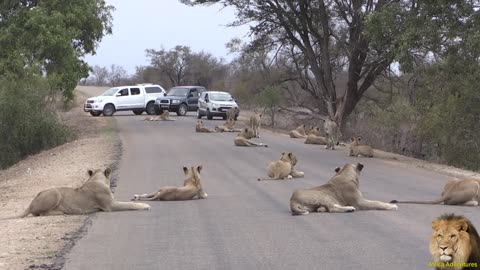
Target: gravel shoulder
point(39, 242)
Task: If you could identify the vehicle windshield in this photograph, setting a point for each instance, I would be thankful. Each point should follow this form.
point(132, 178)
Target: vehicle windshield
point(178, 92)
point(110, 92)
point(220, 97)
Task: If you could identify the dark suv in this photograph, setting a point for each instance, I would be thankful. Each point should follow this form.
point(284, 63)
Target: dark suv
point(179, 99)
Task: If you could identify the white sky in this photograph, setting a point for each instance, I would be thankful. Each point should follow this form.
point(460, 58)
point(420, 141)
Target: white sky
point(150, 24)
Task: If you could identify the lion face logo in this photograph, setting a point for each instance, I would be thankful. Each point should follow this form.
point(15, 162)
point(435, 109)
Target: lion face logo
point(452, 239)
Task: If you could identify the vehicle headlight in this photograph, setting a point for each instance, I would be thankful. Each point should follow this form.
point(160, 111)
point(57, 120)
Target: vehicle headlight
point(215, 105)
point(175, 101)
point(98, 100)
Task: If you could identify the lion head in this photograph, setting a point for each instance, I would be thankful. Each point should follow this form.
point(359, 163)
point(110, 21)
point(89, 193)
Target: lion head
point(289, 157)
point(454, 240)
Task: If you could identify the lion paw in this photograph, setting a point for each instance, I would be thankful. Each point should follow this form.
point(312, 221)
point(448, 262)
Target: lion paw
point(289, 177)
point(145, 206)
point(350, 209)
point(135, 197)
point(393, 207)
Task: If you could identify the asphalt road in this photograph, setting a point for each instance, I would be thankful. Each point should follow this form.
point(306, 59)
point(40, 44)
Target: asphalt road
point(246, 224)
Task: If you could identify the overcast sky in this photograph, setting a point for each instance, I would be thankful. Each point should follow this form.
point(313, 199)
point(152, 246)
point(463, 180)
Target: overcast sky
point(150, 24)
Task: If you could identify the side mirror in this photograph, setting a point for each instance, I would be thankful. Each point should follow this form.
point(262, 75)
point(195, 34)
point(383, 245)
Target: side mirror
point(164, 93)
point(118, 94)
point(190, 95)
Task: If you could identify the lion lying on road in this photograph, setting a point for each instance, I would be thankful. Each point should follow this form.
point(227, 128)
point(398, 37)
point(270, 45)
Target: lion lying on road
point(454, 241)
point(165, 116)
point(93, 196)
point(200, 127)
point(229, 126)
point(456, 192)
point(357, 149)
point(340, 194)
point(299, 132)
point(243, 139)
point(283, 168)
point(191, 189)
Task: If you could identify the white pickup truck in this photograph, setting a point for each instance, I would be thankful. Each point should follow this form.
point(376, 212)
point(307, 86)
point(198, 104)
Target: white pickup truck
point(138, 98)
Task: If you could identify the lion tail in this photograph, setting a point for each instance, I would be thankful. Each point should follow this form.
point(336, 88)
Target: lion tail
point(24, 214)
point(420, 202)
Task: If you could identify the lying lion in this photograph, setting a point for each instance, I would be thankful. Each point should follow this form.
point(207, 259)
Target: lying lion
point(200, 127)
point(340, 194)
point(93, 196)
point(243, 139)
point(456, 192)
point(191, 189)
point(454, 241)
point(283, 168)
point(299, 132)
point(229, 126)
point(357, 149)
point(164, 116)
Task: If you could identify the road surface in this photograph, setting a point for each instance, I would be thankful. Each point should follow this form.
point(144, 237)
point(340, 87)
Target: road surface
point(246, 224)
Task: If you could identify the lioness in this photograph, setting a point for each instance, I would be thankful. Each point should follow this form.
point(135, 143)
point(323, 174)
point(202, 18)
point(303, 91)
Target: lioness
point(340, 194)
point(314, 131)
point(331, 132)
point(256, 123)
point(357, 149)
point(229, 126)
point(283, 168)
point(456, 192)
point(315, 139)
point(191, 189)
point(199, 127)
point(243, 139)
point(165, 116)
point(93, 196)
point(455, 243)
point(299, 132)
point(232, 113)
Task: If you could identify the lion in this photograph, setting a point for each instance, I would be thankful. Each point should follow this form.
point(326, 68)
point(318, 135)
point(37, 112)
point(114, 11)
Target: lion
point(331, 132)
point(456, 192)
point(233, 113)
point(299, 132)
point(229, 126)
point(243, 139)
point(165, 116)
point(454, 243)
point(314, 131)
point(93, 196)
point(341, 194)
point(283, 168)
point(315, 139)
point(357, 149)
point(191, 189)
point(256, 123)
point(199, 127)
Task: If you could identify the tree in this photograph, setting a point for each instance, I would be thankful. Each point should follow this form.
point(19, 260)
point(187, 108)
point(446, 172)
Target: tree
point(116, 75)
point(100, 74)
point(363, 38)
point(50, 38)
point(171, 63)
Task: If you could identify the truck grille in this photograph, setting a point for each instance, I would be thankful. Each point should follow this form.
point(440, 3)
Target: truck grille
point(165, 101)
point(90, 101)
point(224, 109)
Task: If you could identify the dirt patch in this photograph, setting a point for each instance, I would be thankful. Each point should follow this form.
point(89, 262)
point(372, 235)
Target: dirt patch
point(39, 242)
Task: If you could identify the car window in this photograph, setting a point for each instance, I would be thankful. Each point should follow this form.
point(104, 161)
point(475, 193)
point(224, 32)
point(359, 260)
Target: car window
point(123, 92)
point(153, 89)
point(134, 91)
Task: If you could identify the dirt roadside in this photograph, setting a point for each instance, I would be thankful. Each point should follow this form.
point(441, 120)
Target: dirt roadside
point(40, 242)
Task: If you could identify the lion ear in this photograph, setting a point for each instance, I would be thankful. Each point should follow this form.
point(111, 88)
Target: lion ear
point(359, 138)
point(359, 167)
point(90, 173)
point(352, 139)
point(185, 170)
point(337, 169)
point(290, 154)
point(107, 172)
point(199, 168)
point(435, 225)
point(462, 225)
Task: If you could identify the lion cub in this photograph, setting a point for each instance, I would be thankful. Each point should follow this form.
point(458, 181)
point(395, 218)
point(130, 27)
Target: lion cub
point(357, 149)
point(243, 139)
point(199, 127)
point(299, 132)
point(191, 189)
point(283, 168)
point(93, 196)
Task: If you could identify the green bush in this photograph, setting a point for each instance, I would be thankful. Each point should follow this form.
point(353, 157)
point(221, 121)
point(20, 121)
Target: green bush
point(27, 125)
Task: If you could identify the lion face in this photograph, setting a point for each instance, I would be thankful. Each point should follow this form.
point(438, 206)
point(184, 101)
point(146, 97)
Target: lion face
point(289, 157)
point(450, 241)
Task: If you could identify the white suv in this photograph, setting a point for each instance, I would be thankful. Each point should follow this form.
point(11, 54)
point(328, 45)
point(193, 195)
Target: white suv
point(215, 103)
point(137, 98)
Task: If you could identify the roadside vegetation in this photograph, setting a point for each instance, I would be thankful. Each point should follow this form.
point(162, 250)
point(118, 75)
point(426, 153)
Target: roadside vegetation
point(401, 74)
point(42, 44)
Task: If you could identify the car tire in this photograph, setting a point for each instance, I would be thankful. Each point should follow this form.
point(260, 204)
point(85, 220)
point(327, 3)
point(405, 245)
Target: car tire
point(209, 116)
point(199, 115)
point(150, 108)
point(137, 112)
point(182, 110)
point(108, 110)
point(95, 114)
